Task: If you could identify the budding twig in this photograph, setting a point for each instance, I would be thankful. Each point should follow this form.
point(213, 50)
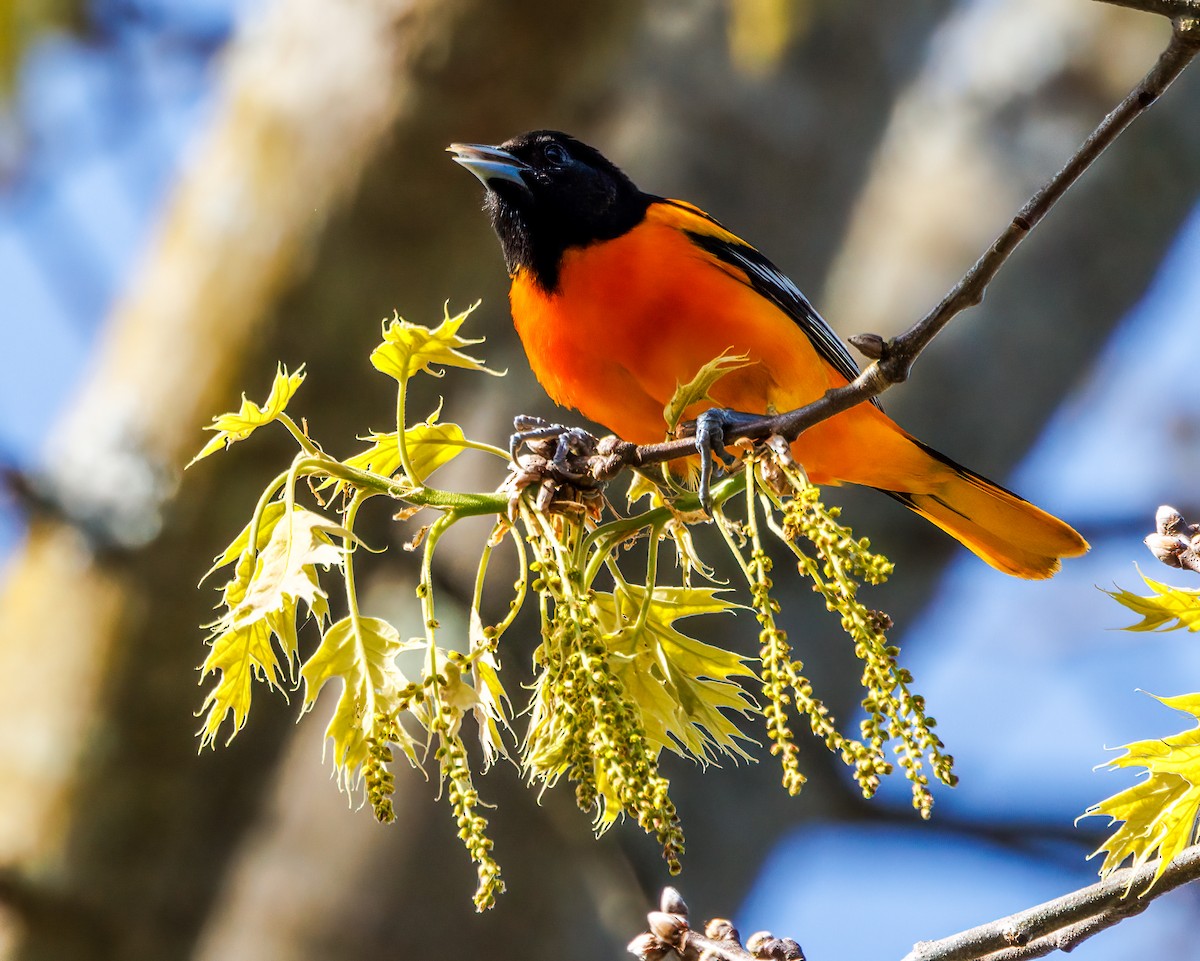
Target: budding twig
point(899, 354)
point(1175, 542)
point(670, 933)
point(1175, 9)
point(1057, 925)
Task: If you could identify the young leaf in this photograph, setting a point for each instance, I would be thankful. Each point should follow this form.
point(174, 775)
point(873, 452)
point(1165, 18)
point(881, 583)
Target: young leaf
point(233, 427)
point(237, 551)
point(408, 348)
point(361, 653)
point(430, 446)
point(1159, 813)
point(1167, 609)
point(241, 654)
point(260, 602)
point(491, 706)
point(681, 685)
point(285, 570)
point(696, 389)
point(640, 485)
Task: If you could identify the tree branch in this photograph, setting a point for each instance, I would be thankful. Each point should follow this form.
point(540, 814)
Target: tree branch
point(898, 355)
point(1063, 923)
point(669, 932)
point(1058, 925)
point(1174, 9)
point(893, 360)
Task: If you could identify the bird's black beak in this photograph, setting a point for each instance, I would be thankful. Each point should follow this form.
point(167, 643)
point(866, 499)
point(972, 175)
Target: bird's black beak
point(489, 163)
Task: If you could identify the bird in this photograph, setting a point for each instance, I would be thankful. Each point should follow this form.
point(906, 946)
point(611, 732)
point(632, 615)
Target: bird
point(619, 295)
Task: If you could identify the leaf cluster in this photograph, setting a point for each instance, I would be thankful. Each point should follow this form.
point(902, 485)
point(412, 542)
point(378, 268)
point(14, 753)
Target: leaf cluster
point(1159, 814)
point(617, 678)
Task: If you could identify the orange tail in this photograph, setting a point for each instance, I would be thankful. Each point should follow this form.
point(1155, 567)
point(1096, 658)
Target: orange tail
point(1009, 533)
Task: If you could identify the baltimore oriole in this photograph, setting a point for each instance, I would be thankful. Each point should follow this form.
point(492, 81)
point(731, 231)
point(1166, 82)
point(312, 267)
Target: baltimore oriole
point(620, 295)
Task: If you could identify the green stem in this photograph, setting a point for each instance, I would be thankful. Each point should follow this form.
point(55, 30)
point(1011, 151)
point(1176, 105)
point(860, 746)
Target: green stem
point(752, 508)
point(425, 592)
point(539, 521)
point(614, 532)
point(598, 555)
point(651, 579)
point(264, 499)
point(401, 421)
point(463, 505)
point(522, 587)
point(734, 548)
point(368, 718)
point(615, 570)
point(481, 576)
point(309, 447)
point(348, 542)
point(486, 448)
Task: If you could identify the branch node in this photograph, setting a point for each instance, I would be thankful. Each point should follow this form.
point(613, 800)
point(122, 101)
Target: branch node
point(870, 345)
point(721, 929)
point(893, 369)
point(1187, 28)
point(1016, 936)
point(668, 926)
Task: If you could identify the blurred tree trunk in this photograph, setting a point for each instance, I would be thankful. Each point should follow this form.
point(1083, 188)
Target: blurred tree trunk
point(113, 834)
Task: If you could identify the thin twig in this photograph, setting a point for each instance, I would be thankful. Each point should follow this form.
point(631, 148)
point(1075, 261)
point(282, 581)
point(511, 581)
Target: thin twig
point(1175, 9)
point(1064, 922)
point(1058, 925)
point(896, 357)
point(670, 933)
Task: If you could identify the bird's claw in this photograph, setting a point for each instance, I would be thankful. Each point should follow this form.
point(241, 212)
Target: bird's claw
point(710, 439)
point(568, 441)
point(559, 461)
point(528, 428)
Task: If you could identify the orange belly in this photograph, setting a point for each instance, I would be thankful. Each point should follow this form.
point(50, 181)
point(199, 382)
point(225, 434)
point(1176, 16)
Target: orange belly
point(621, 332)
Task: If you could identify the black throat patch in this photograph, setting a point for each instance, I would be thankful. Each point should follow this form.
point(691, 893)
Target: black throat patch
point(570, 196)
point(535, 236)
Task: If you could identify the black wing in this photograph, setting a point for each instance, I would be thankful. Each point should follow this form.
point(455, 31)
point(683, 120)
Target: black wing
point(773, 284)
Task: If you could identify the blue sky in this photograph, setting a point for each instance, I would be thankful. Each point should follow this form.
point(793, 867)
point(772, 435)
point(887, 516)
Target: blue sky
point(102, 126)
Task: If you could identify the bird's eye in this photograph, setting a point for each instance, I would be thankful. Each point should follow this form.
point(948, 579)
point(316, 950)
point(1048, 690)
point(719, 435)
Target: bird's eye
point(554, 154)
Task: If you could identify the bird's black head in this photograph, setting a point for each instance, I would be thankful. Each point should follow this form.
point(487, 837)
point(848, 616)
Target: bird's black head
point(548, 192)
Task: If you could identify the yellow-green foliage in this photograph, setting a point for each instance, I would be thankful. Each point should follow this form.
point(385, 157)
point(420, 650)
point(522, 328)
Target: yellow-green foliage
point(1159, 813)
point(617, 680)
point(1167, 609)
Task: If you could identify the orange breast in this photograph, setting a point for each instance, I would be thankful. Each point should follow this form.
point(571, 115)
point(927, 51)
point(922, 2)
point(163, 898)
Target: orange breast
point(632, 317)
point(635, 316)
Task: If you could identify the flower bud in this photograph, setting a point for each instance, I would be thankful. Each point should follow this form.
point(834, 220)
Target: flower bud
point(669, 927)
point(647, 947)
point(671, 901)
point(720, 929)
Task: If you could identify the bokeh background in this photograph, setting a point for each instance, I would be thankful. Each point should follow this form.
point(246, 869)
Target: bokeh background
point(191, 191)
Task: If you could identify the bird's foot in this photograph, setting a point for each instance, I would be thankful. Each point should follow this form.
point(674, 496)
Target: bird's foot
point(557, 459)
point(536, 435)
point(710, 431)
